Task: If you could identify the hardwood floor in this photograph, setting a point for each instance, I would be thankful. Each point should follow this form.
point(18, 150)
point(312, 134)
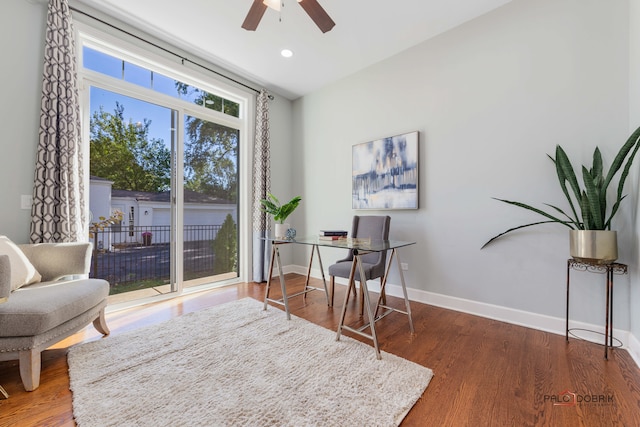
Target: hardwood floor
point(487, 373)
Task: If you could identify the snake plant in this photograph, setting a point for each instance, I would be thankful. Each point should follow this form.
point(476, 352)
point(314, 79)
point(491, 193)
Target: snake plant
point(588, 202)
point(272, 206)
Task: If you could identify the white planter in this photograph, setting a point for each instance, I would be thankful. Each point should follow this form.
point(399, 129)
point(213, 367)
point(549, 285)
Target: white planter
point(280, 231)
point(594, 246)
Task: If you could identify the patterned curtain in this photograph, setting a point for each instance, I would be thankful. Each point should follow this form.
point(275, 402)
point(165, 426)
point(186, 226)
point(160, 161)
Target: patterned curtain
point(261, 186)
point(58, 213)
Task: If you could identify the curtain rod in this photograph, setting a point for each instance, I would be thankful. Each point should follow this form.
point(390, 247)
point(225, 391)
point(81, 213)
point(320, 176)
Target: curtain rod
point(165, 50)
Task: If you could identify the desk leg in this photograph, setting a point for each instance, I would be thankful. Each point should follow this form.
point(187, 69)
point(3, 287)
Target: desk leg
point(306, 283)
point(352, 274)
point(383, 283)
point(271, 260)
point(404, 291)
point(283, 285)
point(372, 320)
point(324, 282)
point(275, 258)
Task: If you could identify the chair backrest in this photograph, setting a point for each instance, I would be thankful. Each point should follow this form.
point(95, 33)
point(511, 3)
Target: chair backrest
point(5, 277)
point(374, 227)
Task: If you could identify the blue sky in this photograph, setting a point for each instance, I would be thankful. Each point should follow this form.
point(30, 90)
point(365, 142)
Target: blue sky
point(135, 111)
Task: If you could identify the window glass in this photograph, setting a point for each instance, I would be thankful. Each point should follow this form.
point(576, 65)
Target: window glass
point(140, 76)
point(137, 75)
point(190, 93)
point(164, 84)
point(231, 108)
point(102, 63)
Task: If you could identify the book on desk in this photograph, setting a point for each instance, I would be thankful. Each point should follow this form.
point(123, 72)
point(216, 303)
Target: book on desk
point(333, 233)
point(331, 238)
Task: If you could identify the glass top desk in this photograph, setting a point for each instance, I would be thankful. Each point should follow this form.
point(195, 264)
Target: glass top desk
point(360, 247)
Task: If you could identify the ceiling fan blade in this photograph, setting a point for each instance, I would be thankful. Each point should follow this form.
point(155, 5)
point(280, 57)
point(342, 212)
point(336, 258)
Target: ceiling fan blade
point(318, 15)
point(254, 16)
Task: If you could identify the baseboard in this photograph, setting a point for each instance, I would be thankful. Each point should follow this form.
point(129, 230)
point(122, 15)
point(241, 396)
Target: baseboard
point(633, 347)
point(527, 319)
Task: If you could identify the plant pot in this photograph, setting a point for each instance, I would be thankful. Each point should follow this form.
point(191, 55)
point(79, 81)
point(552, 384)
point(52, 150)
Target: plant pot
point(594, 246)
point(281, 230)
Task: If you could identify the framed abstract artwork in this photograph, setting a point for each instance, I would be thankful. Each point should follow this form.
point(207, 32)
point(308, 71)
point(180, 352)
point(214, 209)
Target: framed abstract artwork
point(385, 173)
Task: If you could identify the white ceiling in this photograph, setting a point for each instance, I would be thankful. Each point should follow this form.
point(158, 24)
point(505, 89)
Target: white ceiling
point(366, 32)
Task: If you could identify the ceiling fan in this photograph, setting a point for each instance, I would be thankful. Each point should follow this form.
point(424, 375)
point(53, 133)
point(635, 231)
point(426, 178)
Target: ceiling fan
point(312, 7)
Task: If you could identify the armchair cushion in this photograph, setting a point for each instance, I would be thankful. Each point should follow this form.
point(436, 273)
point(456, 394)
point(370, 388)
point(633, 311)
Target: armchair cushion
point(35, 309)
point(22, 271)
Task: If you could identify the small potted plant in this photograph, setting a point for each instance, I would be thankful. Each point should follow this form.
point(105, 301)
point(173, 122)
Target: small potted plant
point(272, 206)
point(591, 237)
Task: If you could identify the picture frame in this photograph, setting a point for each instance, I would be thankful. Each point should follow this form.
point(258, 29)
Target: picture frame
point(384, 173)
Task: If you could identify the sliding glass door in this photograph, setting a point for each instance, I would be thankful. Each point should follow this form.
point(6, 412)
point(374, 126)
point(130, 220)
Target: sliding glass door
point(130, 149)
point(210, 200)
point(164, 181)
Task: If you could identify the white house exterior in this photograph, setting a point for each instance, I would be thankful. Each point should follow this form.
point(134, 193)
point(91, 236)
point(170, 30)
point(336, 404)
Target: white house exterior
point(148, 212)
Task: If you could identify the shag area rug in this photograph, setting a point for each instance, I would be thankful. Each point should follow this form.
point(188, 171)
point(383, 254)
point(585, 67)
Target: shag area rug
point(236, 364)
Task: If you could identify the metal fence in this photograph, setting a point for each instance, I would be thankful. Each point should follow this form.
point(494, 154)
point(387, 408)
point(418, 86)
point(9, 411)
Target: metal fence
point(129, 254)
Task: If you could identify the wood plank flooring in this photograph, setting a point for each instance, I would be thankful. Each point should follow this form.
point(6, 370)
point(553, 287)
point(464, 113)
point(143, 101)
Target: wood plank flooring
point(487, 373)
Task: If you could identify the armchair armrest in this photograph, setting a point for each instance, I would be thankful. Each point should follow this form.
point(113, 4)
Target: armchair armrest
point(5, 277)
point(56, 260)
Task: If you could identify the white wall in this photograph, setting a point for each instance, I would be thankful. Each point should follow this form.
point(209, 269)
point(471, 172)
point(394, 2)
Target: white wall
point(22, 50)
point(490, 98)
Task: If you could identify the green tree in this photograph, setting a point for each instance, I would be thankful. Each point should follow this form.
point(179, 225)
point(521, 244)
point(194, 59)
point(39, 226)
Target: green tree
point(123, 153)
point(225, 247)
point(211, 149)
point(211, 159)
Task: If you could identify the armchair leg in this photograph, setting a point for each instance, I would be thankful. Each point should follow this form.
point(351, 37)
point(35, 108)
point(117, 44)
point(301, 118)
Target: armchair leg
point(30, 363)
point(100, 323)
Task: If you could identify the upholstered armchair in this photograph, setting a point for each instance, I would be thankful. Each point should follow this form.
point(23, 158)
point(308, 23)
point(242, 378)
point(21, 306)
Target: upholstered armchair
point(48, 299)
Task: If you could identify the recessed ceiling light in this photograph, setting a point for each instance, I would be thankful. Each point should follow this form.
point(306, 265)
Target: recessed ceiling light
point(287, 53)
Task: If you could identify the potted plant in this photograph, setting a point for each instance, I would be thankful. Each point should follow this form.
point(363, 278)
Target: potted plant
point(591, 237)
point(280, 212)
